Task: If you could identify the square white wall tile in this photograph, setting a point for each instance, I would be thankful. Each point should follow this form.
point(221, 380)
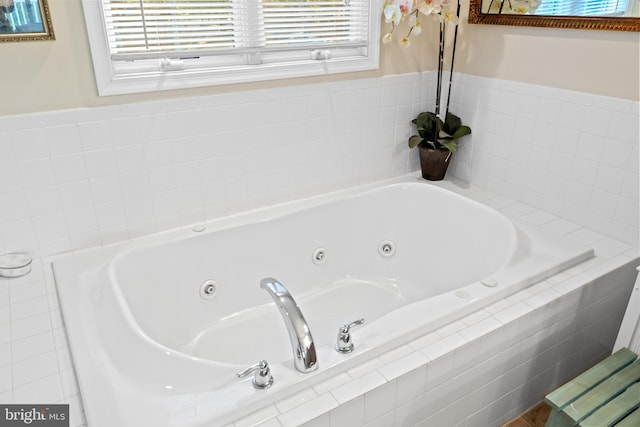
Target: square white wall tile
point(308, 411)
point(47, 389)
point(351, 413)
point(63, 139)
point(357, 387)
point(34, 369)
point(28, 144)
point(380, 401)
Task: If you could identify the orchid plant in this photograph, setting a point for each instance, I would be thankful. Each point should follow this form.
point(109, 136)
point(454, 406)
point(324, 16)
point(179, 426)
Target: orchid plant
point(434, 131)
point(414, 10)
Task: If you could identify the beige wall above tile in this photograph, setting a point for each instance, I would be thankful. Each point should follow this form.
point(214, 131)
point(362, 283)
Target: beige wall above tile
point(54, 75)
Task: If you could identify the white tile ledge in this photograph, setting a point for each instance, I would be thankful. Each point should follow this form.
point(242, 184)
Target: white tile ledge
point(502, 313)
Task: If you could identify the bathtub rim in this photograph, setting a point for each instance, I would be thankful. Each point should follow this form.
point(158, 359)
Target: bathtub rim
point(182, 233)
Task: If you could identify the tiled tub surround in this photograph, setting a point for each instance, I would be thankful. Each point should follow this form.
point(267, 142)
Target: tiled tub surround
point(148, 349)
point(80, 178)
point(89, 177)
point(481, 371)
point(570, 153)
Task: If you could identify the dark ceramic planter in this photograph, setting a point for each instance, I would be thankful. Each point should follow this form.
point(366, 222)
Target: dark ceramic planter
point(434, 163)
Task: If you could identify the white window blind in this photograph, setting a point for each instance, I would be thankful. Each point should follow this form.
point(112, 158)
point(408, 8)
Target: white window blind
point(144, 28)
point(154, 26)
point(169, 36)
point(582, 7)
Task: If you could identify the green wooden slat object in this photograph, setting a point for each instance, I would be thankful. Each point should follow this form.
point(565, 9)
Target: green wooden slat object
point(558, 419)
point(616, 409)
point(575, 388)
point(599, 395)
point(632, 420)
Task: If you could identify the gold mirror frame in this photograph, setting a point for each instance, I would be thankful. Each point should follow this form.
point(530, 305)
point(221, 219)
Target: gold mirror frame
point(47, 34)
point(588, 23)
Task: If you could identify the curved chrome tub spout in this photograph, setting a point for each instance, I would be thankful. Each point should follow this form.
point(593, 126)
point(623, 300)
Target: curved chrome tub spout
point(304, 350)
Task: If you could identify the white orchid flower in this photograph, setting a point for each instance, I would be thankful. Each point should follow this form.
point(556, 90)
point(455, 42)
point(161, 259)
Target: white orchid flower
point(416, 30)
point(449, 17)
point(405, 41)
point(392, 13)
point(429, 7)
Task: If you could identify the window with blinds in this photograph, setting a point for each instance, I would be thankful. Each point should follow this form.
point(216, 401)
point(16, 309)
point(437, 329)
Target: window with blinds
point(582, 7)
point(229, 41)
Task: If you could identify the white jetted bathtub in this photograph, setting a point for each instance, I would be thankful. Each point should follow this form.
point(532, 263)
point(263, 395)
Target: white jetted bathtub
point(159, 328)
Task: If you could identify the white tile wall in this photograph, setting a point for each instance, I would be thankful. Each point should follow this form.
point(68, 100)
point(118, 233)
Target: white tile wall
point(80, 178)
point(572, 154)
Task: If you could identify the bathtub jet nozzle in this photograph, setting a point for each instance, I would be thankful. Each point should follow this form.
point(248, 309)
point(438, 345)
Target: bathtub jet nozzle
point(304, 350)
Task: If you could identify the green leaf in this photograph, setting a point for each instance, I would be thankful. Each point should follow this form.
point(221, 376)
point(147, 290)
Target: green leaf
point(426, 124)
point(450, 144)
point(452, 123)
point(426, 120)
point(444, 135)
point(414, 141)
point(435, 133)
point(461, 131)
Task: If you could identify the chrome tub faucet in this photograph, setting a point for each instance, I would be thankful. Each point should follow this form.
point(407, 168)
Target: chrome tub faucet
point(304, 350)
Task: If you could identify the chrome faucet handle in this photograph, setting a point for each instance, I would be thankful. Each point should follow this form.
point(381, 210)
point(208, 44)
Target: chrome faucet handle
point(344, 343)
point(263, 378)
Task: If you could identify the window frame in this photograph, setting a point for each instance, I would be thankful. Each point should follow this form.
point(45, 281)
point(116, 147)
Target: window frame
point(110, 81)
